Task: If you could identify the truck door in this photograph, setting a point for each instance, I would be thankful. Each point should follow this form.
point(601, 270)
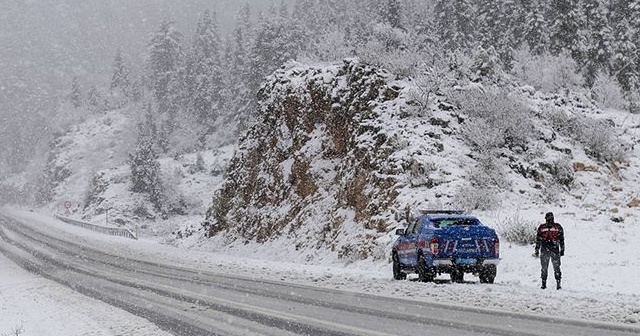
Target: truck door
point(407, 247)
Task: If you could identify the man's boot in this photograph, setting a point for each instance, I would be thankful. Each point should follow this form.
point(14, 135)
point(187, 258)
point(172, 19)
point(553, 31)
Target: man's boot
point(558, 284)
point(544, 284)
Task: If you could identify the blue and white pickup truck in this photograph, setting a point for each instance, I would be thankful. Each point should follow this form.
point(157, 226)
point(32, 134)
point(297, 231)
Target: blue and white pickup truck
point(446, 241)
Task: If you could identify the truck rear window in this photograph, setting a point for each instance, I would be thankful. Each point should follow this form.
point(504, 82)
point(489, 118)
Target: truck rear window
point(445, 222)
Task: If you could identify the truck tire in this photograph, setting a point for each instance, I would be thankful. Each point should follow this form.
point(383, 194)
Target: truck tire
point(488, 274)
point(425, 274)
point(397, 273)
point(457, 276)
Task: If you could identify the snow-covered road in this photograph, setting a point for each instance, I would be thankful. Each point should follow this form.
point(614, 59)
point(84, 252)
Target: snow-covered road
point(66, 312)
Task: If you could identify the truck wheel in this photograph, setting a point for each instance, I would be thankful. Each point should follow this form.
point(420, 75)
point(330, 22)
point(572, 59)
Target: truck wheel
point(488, 274)
point(424, 273)
point(397, 273)
point(457, 276)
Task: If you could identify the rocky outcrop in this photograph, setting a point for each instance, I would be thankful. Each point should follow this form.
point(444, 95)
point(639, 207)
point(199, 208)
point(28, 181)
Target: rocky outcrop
point(313, 165)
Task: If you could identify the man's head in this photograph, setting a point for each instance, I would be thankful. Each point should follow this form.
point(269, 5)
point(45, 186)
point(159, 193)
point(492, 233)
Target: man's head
point(549, 218)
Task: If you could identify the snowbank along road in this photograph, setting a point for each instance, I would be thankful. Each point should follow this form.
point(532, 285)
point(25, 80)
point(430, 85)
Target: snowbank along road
point(187, 301)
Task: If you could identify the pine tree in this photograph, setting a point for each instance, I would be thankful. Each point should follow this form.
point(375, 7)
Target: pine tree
point(625, 60)
point(166, 67)
point(566, 20)
point(278, 39)
point(634, 21)
point(76, 94)
point(204, 71)
point(535, 32)
point(392, 14)
point(488, 14)
point(599, 36)
point(95, 101)
point(455, 24)
point(145, 169)
point(509, 27)
point(120, 82)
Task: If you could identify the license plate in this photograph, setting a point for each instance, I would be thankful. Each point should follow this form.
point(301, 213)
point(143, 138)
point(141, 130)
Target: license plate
point(466, 261)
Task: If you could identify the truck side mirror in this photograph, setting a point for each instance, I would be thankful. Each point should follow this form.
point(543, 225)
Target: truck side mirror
point(400, 232)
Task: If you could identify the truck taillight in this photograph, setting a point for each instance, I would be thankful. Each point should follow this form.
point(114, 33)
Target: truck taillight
point(496, 242)
point(433, 245)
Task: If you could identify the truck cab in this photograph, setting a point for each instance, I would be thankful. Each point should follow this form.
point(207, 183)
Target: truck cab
point(446, 241)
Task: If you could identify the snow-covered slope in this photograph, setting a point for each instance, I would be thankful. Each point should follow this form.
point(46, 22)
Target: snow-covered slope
point(342, 155)
point(344, 152)
point(91, 177)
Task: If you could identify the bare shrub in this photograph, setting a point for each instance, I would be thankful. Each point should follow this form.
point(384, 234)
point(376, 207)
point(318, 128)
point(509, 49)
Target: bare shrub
point(546, 72)
point(488, 173)
point(481, 136)
point(562, 172)
point(500, 118)
point(16, 331)
point(633, 99)
point(598, 137)
point(607, 92)
point(427, 85)
point(473, 198)
point(517, 230)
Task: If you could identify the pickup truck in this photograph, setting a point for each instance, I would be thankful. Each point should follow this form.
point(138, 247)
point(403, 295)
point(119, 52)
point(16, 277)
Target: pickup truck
point(446, 241)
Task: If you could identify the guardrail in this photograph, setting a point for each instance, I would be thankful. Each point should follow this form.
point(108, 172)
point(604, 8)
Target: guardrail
point(122, 232)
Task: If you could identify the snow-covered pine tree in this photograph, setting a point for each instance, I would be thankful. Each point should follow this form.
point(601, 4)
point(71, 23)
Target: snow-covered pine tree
point(120, 83)
point(535, 29)
point(95, 101)
point(566, 19)
point(145, 169)
point(278, 39)
point(488, 18)
point(599, 37)
point(509, 27)
point(166, 61)
point(204, 75)
point(455, 23)
point(624, 65)
point(237, 97)
point(76, 95)
point(392, 14)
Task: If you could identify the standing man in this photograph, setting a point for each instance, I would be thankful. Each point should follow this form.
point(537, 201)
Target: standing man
point(550, 245)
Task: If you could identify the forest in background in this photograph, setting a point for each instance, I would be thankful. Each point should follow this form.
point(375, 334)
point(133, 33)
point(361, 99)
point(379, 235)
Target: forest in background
point(200, 91)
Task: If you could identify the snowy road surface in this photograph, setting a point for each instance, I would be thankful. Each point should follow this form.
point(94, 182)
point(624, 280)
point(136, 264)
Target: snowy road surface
point(187, 301)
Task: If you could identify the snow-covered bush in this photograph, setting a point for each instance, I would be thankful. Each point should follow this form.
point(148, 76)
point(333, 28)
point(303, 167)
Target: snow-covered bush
point(482, 136)
point(332, 46)
point(469, 197)
point(428, 84)
point(633, 99)
point(561, 172)
point(598, 137)
point(517, 230)
point(496, 119)
point(485, 180)
point(607, 92)
point(488, 173)
point(486, 63)
point(546, 72)
point(16, 331)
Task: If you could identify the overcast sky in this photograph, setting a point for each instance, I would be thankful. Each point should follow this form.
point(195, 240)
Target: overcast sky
point(56, 37)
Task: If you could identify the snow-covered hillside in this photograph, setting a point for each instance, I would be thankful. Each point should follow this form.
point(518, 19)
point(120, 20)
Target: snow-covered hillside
point(344, 152)
point(91, 177)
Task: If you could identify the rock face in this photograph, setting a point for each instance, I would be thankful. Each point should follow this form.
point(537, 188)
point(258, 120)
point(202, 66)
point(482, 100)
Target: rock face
point(313, 166)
